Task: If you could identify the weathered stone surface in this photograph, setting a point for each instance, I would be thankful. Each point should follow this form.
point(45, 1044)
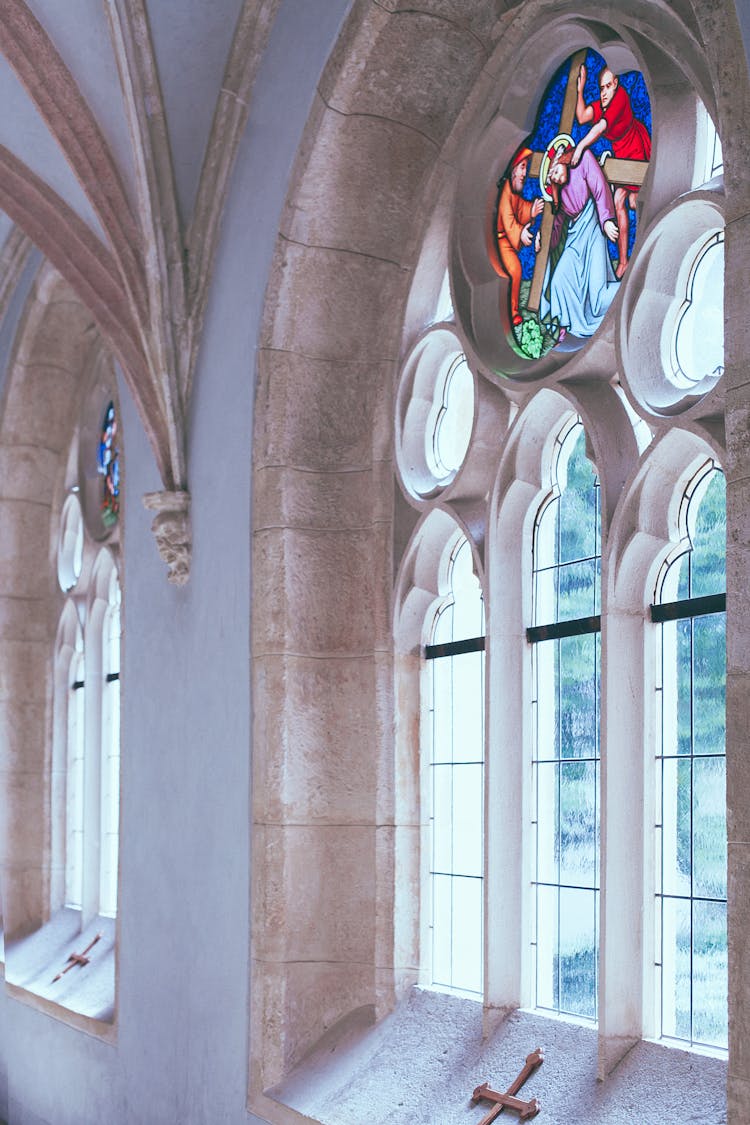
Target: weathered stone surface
point(295, 1005)
point(313, 501)
point(26, 826)
point(314, 758)
point(371, 170)
point(26, 618)
point(25, 423)
point(333, 304)
point(318, 414)
point(24, 668)
point(63, 335)
point(736, 322)
point(411, 67)
point(314, 591)
point(320, 903)
point(23, 732)
point(27, 472)
point(24, 549)
point(738, 890)
point(738, 758)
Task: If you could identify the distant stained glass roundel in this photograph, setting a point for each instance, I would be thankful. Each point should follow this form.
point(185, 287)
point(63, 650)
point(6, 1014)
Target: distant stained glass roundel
point(565, 218)
point(108, 465)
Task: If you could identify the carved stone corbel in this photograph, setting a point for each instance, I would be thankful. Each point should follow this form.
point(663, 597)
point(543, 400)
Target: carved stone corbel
point(172, 531)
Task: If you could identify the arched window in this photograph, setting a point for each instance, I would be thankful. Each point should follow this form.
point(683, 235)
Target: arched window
point(87, 674)
point(691, 888)
point(455, 663)
point(110, 748)
point(69, 729)
point(565, 656)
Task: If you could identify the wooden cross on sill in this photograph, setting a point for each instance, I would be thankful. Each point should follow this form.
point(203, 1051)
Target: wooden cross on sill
point(508, 1100)
point(77, 959)
point(616, 172)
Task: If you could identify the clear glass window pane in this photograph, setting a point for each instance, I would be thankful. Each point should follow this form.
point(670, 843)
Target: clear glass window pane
point(579, 696)
point(548, 946)
point(442, 929)
point(567, 587)
point(710, 973)
point(466, 968)
point(691, 831)
point(579, 824)
point(442, 819)
point(578, 951)
point(74, 813)
point(710, 827)
point(468, 707)
point(468, 788)
point(457, 784)
point(676, 814)
point(676, 968)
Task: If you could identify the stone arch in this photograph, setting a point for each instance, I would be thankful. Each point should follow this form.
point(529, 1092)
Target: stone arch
point(380, 152)
point(323, 580)
point(56, 346)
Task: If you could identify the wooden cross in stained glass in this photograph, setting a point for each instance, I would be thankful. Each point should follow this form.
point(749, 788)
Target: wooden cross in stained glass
point(616, 172)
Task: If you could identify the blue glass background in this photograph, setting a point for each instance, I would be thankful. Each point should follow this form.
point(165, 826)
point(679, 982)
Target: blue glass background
point(548, 126)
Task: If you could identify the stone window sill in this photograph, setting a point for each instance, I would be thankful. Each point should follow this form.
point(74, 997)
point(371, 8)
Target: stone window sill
point(85, 995)
point(423, 1062)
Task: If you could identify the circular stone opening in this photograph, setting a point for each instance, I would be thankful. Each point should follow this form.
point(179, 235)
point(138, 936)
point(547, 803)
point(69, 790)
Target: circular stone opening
point(696, 352)
point(435, 413)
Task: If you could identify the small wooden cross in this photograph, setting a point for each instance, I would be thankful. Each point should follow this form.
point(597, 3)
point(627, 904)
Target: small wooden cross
point(508, 1100)
point(77, 959)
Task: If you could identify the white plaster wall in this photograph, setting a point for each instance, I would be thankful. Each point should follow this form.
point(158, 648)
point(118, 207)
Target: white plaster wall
point(182, 1048)
point(3, 1052)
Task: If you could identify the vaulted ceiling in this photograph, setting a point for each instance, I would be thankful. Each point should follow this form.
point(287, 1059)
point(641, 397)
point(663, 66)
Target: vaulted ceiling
point(121, 120)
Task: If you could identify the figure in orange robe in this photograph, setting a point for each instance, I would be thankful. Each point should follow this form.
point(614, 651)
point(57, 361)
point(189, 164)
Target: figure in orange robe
point(612, 117)
point(514, 217)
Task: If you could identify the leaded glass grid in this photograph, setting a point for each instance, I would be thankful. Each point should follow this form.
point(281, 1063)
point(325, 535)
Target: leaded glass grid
point(691, 842)
point(456, 786)
point(565, 713)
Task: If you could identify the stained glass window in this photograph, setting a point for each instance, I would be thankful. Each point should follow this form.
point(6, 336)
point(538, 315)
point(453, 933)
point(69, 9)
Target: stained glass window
point(565, 656)
point(457, 780)
point(108, 464)
point(691, 915)
point(565, 213)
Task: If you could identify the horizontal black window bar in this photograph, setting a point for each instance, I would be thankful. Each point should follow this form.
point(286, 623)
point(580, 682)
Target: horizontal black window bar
point(112, 676)
point(454, 648)
point(689, 607)
point(77, 684)
point(564, 629)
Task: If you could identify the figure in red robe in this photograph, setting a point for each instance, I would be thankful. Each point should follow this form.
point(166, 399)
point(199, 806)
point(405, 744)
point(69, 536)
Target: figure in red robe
point(612, 117)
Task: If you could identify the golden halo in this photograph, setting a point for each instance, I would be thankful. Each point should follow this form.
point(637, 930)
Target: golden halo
point(561, 139)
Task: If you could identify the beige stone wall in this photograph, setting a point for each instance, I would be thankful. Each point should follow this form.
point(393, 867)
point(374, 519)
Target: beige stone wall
point(729, 64)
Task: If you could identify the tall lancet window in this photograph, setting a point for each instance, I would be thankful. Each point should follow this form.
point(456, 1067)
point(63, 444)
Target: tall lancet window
point(87, 675)
point(565, 659)
point(691, 910)
point(455, 669)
